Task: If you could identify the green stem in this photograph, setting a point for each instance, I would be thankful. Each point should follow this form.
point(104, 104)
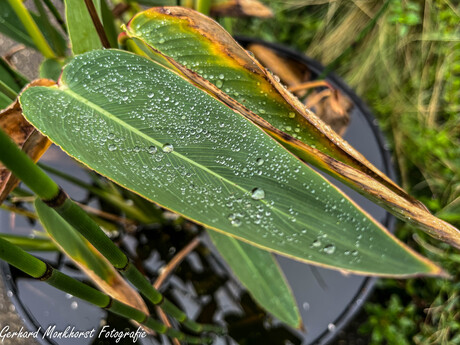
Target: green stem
point(40, 270)
point(32, 28)
point(7, 91)
point(97, 23)
point(25, 169)
point(115, 200)
point(369, 26)
point(19, 211)
point(203, 6)
point(20, 80)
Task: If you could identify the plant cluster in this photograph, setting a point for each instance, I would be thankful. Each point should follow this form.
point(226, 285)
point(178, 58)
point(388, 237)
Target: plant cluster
point(182, 116)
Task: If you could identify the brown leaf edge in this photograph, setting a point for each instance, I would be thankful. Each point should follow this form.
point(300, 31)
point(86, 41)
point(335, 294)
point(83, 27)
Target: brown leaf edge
point(29, 140)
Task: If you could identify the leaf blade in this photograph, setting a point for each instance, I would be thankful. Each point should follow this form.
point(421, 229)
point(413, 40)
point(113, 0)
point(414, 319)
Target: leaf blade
point(259, 272)
point(113, 122)
point(86, 257)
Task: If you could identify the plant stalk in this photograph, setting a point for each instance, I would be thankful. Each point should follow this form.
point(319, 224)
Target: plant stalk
point(203, 6)
point(50, 193)
point(42, 271)
point(97, 24)
point(32, 28)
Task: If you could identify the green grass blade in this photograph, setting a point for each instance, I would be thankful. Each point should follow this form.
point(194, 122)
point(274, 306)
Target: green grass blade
point(82, 33)
point(259, 272)
point(154, 133)
point(30, 244)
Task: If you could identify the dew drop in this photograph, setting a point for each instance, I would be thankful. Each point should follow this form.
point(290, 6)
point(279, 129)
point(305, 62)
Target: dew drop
point(236, 222)
point(219, 83)
point(112, 147)
point(161, 41)
point(221, 76)
point(291, 115)
point(329, 249)
point(316, 243)
point(74, 305)
point(306, 306)
point(168, 148)
point(152, 150)
point(110, 136)
point(136, 149)
point(150, 95)
point(260, 161)
point(258, 194)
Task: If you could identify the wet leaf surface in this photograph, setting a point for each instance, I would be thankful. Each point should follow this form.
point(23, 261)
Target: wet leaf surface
point(153, 132)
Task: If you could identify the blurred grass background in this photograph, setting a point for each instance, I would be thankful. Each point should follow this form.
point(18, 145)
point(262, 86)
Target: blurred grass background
point(407, 69)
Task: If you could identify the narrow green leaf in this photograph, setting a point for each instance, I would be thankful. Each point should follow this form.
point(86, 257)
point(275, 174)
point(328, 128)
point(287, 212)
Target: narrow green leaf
point(82, 33)
point(154, 133)
point(108, 21)
point(259, 272)
point(70, 241)
point(30, 244)
point(77, 248)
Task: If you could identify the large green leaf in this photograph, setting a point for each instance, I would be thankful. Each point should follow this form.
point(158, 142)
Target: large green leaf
point(196, 42)
point(259, 272)
point(82, 33)
point(153, 132)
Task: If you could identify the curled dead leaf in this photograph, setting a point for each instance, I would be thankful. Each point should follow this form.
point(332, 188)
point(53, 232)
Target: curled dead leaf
point(240, 8)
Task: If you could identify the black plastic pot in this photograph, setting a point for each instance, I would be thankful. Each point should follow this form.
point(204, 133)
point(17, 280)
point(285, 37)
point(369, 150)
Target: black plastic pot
point(327, 299)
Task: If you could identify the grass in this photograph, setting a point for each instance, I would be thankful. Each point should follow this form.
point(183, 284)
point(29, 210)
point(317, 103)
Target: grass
point(407, 68)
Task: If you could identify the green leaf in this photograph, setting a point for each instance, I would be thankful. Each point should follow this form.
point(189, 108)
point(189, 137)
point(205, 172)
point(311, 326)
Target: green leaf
point(108, 21)
point(90, 261)
point(70, 241)
point(30, 244)
point(259, 272)
point(186, 39)
point(151, 131)
point(82, 33)
point(51, 68)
